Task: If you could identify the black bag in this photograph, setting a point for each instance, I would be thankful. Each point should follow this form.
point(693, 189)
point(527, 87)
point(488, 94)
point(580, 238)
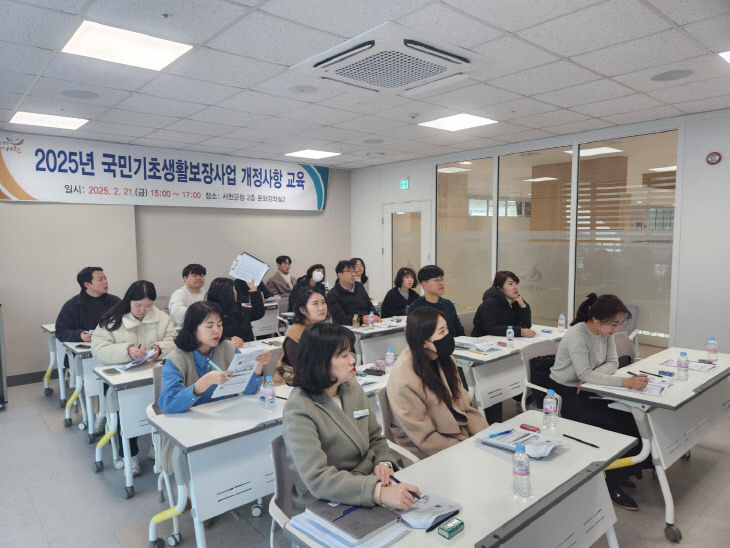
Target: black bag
point(540, 375)
point(623, 361)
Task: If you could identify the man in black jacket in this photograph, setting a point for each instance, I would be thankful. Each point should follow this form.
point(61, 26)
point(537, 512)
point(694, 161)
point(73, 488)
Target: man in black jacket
point(348, 297)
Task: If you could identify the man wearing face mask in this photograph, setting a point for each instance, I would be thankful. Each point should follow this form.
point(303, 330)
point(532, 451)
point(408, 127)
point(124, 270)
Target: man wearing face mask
point(430, 407)
point(314, 278)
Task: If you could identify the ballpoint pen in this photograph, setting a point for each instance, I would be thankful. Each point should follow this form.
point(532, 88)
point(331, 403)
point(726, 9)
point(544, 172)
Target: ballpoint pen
point(500, 434)
point(411, 492)
point(581, 441)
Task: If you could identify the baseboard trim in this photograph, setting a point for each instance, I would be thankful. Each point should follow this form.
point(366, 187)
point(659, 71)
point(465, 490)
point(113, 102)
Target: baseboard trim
point(29, 378)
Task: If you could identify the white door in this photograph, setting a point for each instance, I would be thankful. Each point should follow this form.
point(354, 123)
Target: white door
point(407, 237)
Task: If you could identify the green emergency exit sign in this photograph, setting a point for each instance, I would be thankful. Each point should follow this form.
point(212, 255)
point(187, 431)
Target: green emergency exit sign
point(404, 184)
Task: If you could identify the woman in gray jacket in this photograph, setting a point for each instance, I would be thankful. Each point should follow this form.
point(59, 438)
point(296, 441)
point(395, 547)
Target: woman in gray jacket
point(334, 442)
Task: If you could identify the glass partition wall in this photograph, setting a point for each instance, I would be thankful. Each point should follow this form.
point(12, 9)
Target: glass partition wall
point(623, 231)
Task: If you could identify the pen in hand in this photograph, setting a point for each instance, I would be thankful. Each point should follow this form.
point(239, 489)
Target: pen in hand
point(214, 366)
point(396, 480)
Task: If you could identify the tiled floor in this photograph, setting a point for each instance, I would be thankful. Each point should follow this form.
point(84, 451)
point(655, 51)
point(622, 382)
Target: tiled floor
point(52, 498)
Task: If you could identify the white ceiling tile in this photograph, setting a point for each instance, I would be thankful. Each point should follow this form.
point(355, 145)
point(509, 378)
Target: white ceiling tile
point(211, 149)
point(551, 118)
point(219, 115)
point(696, 90)
point(629, 103)
point(186, 89)
point(14, 82)
point(494, 130)
point(686, 11)
point(287, 84)
point(650, 51)
point(273, 39)
point(483, 142)
point(318, 114)
point(53, 88)
point(173, 136)
point(136, 118)
point(428, 135)
point(227, 142)
point(262, 135)
point(160, 143)
point(589, 92)
point(472, 98)
point(5, 114)
point(370, 124)
point(578, 127)
point(545, 78)
point(159, 105)
point(513, 15)
point(61, 108)
point(9, 100)
point(507, 56)
point(69, 6)
point(714, 33)
point(449, 26)
point(703, 105)
point(25, 59)
point(203, 63)
point(344, 17)
point(34, 26)
point(643, 115)
point(187, 22)
point(703, 68)
point(385, 141)
point(109, 128)
point(283, 125)
point(528, 135)
point(107, 137)
point(330, 133)
point(596, 27)
point(523, 106)
point(417, 112)
point(201, 128)
point(98, 73)
point(364, 102)
point(262, 103)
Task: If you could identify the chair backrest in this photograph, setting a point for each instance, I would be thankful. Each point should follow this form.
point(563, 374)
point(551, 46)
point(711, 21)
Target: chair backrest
point(282, 475)
point(538, 358)
point(284, 304)
point(631, 324)
point(624, 348)
point(467, 320)
point(536, 350)
point(386, 414)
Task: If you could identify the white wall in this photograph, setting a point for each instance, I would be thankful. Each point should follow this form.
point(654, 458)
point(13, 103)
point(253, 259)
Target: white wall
point(701, 292)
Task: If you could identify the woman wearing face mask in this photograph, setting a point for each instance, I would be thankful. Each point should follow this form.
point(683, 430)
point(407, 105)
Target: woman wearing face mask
point(430, 407)
point(396, 300)
point(502, 305)
point(311, 307)
point(314, 278)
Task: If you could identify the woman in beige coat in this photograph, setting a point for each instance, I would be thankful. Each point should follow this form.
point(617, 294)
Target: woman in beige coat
point(127, 331)
point(334, 443)
point(430, 407)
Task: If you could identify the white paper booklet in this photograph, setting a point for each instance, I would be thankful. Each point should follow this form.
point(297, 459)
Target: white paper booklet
point(136, 362)
point(242, 365)
point(332, 538)
point(480, 344)
point(427, 510)
point(247, 267)
point(506, 437)
point(694, 366)
point(655, 387)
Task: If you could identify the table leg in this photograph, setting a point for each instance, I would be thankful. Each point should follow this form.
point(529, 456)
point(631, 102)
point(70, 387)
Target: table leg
point(128, 481)
point(69, 404)
point(611, 539)
point(110, 435)
point(89, 416)
point(52, 361)
point(59, 366)
point(671, 531)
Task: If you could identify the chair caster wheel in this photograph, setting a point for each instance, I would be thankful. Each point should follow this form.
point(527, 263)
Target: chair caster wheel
point(82, 426)
point(98, 466)
point(672, 533)
point(48, 391)
point(157, 543)
point(91, 438)
point(687, 455)
point(67, 422)
point(256, 510)
point(174, 539)
point(129, 492)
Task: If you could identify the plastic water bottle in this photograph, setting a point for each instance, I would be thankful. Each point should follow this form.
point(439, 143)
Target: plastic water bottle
point(521, 473)
point(269, 398)
point(510, 337)
point(561, 323)
point(550, 411)
point(389, 357)
point(371, 319)
point(712, 350)
point(682, 367)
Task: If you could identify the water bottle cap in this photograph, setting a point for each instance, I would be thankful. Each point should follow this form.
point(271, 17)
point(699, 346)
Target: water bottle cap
point(372, 312)
point(562, 313)
point(712, 338)
point(682, 353)
point(520, 448)
point(269, 378)
point(390, 349)
point(509, 327)
point(550, 392)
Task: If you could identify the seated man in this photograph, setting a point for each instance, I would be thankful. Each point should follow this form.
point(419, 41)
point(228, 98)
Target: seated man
point(191, 292)
point(348, 297)
point(431, 278)
point(281, 282)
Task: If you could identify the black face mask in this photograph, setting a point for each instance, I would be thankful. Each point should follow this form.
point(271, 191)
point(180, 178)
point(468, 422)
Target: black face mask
point(445, 346)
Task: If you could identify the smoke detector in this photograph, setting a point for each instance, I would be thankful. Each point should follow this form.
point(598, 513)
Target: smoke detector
point(391, 59)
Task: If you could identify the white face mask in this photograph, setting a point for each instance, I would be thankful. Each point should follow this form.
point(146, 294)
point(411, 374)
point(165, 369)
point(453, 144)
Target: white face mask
point(317, 276)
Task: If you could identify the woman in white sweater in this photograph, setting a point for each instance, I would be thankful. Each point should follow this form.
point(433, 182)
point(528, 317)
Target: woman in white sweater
point(127, 331)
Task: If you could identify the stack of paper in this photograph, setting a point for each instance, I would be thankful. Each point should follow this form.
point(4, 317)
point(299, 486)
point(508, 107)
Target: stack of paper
point(480, 344)
point(500, 435)
point(136, 362)
point(694, 366)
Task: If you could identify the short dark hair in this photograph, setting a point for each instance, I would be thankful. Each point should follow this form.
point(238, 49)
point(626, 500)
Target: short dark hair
point(111, 320)
point(600, 308)
point(314, 267)
point(283, 258)
point(429, 272)
point(196, 313)
point(301, 302)
point(402, 273)
point(319, 343)
point(194, 268)
point(343, 264)
point(220, 292)
point(501, 277)
point(87, 275)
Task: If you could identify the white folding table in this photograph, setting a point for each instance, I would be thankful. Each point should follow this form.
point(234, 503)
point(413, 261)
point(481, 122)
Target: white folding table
point(371, 343)
point(269, 324)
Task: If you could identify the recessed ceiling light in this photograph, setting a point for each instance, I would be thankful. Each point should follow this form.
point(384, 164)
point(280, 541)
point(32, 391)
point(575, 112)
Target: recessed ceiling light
point(458, 122)
point(672, 75)
point(725, 55)
point(313, 154)
point(47, 120)
point(465, 163)
point(79, 94)
point(452, 169)
point(123, 46)
point(540, 179)
point(594, 151)
point(663, 169)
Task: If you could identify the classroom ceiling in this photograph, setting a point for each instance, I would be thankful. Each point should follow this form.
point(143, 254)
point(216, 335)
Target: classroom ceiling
point(553, 67)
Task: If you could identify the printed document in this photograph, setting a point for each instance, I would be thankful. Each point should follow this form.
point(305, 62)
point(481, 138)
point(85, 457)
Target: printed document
point(427, 510)
point(247, 267)
point(693, 366)
point(503, 436)
point(136, 362)
point(655, 387)
point(243, 365)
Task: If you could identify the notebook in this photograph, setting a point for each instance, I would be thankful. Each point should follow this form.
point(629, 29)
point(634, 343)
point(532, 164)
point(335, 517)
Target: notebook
point(478, 344)
point(355, 524)
point(427, 510)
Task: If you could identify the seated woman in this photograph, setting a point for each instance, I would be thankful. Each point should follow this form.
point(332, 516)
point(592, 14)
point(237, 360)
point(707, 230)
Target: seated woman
point(587, 353)
point(430, 407)
point(314, 278)
point(236, 318)
point(396, 300)
point(311, 307)
point(360, 271)
point(188, 378)
point(502, 305)
point(127, 331)
point(335, 446)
